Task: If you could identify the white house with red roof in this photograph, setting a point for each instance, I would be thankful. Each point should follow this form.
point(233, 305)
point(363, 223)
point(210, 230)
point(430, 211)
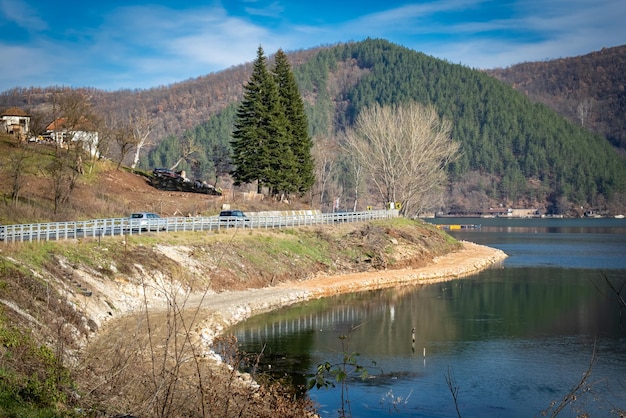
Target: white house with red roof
point(60, 131)
point(15, 121)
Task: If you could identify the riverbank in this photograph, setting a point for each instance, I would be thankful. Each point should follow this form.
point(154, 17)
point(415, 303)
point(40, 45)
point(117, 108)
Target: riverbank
point(220, 311)
point(135, 316)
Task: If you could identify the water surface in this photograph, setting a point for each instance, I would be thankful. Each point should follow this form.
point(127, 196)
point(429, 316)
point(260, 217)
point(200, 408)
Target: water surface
point(514, 338)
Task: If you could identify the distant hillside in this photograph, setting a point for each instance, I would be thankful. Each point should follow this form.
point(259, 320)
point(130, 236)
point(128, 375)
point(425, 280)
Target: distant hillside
point(176, 107)
point(589, 90)
point(515, 152)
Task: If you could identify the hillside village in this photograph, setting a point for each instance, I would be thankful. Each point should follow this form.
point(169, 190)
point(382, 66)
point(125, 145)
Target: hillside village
point(16, 122)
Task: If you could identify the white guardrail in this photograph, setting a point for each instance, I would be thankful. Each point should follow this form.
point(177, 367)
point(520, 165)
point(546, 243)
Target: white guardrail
point(126, 226)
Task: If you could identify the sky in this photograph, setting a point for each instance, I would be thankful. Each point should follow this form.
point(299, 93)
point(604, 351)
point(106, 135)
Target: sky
point(137, 44)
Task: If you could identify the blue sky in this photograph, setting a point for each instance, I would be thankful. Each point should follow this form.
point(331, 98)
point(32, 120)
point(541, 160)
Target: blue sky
point(114, 44)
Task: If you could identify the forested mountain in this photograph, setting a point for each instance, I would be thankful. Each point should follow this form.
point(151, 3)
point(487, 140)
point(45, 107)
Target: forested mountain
point(589, 90)
point(514, 151)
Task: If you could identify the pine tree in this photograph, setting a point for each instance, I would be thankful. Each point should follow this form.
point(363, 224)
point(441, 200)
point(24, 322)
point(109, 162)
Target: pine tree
point(259, 135)
point(300, 174)
point(271, 141)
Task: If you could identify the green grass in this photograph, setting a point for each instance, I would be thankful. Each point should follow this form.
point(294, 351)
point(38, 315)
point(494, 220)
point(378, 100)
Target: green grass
point(282, 249)
point(32, 381)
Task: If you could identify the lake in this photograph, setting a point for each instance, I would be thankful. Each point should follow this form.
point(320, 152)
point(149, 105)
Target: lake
point(510, 341)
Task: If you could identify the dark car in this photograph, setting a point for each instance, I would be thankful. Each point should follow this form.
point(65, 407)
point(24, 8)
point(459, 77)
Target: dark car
point(233, 217)
point(165, 172)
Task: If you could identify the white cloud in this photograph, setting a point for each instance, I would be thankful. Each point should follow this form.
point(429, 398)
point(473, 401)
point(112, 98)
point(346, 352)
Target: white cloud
point(144, 46)
point(273, 10)
point(535, 31)
point(202, 40)
point(22, 14)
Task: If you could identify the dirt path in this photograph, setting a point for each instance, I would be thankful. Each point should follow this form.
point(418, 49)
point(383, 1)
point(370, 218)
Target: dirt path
point(225, 309)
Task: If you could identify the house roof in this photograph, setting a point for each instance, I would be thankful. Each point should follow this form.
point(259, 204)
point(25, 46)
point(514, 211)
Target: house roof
point(14, 111)
point(60, 124)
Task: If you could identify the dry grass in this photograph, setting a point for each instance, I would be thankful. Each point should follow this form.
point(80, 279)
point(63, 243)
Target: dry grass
point(150, 364)
point(102, 192)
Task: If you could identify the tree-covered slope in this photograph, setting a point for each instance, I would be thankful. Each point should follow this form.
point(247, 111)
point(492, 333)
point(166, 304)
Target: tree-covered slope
point(588, 89)
point(502, 133)
point(513, 151)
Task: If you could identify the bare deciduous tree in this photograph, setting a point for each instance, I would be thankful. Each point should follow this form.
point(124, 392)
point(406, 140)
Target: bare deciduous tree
point(39, 120)
point(324, 154)
point(142, 123)
point(74, 116)
point(188, 147)
point(125, 140)
point(107, 136)
point(357, 170)
point(405, 149)
point(583, 110)
point(63, 180)
point(75, 127)
point(16, 164)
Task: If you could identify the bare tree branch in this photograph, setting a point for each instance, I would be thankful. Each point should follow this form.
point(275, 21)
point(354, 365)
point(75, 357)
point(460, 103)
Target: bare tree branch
point(573, 394)
point(188, 148)
point(324, 153)
point(454, 390)
point(142, 123)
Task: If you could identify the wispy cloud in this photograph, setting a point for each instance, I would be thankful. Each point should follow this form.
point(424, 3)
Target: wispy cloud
point(273, 10)
point(20, 13)
point(139, 46)
point(531, 30)
point(163, 43)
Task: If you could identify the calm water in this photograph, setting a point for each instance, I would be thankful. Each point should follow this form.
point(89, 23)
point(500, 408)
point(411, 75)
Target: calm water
point(513, 339)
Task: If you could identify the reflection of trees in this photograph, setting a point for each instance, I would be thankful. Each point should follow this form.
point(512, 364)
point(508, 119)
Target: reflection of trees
point(388, 330)
point(390, 314)
point(515, 307)
point(456, 310)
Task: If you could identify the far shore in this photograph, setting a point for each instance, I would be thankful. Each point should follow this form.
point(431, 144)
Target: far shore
point(222, 310)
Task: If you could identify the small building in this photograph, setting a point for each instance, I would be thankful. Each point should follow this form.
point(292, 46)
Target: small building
point(15, 121)
point(498, 213)
point(60, 131)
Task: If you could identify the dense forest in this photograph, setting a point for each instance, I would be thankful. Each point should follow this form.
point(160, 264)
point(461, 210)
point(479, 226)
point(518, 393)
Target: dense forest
point(515, 149)
point(589, 90)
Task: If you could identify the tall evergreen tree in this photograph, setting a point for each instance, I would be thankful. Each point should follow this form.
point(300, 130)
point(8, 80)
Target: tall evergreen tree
point(260, 129)
point(299, 140)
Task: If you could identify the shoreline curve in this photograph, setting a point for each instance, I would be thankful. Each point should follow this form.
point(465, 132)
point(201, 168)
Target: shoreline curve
point(222, 310)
